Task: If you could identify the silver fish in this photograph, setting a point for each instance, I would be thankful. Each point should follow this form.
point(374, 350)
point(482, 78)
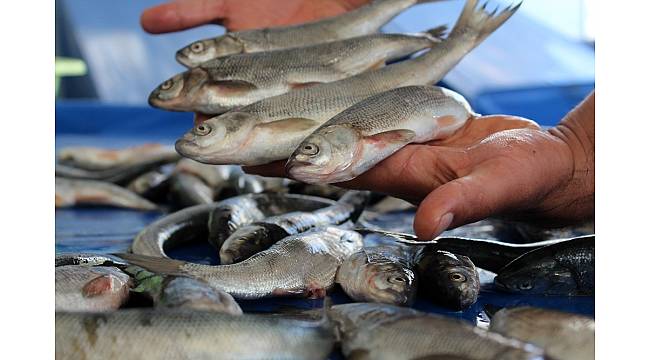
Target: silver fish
point(178, 334)
point(362, 21)
point(216, 177)
point(85, 288)
point(150, 185)
point(271, 129)
point(253, 238)
point(93, 158)
point(380, 331)
point(366, 133)
point(562, 335)
point(383, 274)
point(301, 265)
point(70, 192)
point(188, 190)
point(222, 84)
point(88, 259)
point(169, 291)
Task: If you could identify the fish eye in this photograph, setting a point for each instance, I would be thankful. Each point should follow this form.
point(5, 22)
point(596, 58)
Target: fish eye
point(167, 85)
point(525, 285)
point(457, 277)
point(197, 47)
point(202, 129)
point(310, 149)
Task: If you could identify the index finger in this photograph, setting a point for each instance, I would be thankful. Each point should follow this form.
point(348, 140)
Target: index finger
point(181, 15)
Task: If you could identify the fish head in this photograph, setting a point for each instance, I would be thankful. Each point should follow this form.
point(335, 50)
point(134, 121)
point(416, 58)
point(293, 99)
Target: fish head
point(390, 282)
point(324, 154)
point(460, 283)
point(201, 51)
point(180, 92)
point(219, 139)
point(544, 277)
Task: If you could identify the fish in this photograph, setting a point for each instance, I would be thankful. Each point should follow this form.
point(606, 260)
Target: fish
point(254, 184)
point(94, 158)
point(243, 210)
point(181, 292)
point(87, 259)
point(304, 264)
point(216, 177)
point(366, 133)
point(188, 190)
point(85, 288)
point(382, 331)
point(565, 268)
point(180, 334)
point(563, 336)
point(260, 235)
point(72, 192)
point(448, 279)
point(381, 274)
point(362, 21)
point(151, 185)
point(271, 129)
point(222, 84)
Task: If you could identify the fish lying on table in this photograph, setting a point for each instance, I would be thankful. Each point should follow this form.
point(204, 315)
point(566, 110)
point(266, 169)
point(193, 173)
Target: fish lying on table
point(382, 274)
point(564, 268)
point(85, 288)
point(180, 334)
point(271, 129)
point(448, 279)
point(152, 185)
point(187, 190)
point(381, 331)
point(180, 292)
point(563, 336)
point(366, 133)
point(71, 192)
point(300, 265)
point(260, 235)
point(362, 21)
point(93, 158)
point(222, 84)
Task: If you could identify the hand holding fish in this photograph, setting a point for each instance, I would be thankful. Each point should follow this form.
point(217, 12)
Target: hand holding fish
point(494, 165)
point(239, 14)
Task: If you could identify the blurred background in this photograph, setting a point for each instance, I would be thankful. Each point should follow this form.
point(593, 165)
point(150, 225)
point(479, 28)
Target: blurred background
point(538, 65)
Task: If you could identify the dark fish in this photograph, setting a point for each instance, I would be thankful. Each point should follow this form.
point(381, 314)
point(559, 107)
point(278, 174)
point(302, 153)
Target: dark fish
point(152, 185)
point(565, 268)
point(253, 238)
point(449, 280)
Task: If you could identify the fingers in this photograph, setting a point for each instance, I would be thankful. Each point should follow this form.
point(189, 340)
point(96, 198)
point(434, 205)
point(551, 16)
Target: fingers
point(478, 128)
point(181, 15)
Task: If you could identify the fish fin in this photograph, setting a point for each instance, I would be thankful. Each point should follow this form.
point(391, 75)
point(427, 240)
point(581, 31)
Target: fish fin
point(98, 286)
point(479, 21)
point(437, 32)
point(290, 124)
point(154, 264)
point(299, 85)
point(390, 138)
point(235, 86)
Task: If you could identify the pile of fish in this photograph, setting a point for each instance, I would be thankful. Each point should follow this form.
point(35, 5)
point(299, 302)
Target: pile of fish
point(320, 95)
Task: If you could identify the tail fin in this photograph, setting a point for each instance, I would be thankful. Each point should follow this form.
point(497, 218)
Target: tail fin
point(478, 22)
point(154, 264)
point(437, 32)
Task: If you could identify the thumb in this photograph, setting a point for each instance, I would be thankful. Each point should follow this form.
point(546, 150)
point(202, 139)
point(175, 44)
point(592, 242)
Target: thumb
point(462, 201)
point(181, 15)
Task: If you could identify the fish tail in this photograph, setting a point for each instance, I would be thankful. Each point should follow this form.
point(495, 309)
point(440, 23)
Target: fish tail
point(478, 22)
point(154, 264)
point(437, 33)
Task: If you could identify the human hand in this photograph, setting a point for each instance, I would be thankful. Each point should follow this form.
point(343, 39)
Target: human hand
point(240, 14)
point(494, 165)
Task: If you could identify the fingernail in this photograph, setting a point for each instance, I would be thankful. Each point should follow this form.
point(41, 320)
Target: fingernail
point(443, 224)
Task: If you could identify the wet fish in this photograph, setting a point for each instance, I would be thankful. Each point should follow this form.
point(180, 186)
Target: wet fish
point(70, 192)
point(94, 158)
point(300, 265)
point(151, 185)
point(188, 190)
point(260, 235)
point(88, 259)
point(448, 279)
point(271, 129)
point(563, 336)
point(380, 331)
point(565, 268)
point(383, 274)
point(168, 291)
point(366, 133)
point(222, 84)
point(254, 184)
point(178, 334)
point(84, 288)
point(362, 21)
point(216, 177)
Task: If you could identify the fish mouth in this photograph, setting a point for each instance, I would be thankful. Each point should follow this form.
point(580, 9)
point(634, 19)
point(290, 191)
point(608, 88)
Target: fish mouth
point(306, 172)
point(183, 59)
point(187, 148)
